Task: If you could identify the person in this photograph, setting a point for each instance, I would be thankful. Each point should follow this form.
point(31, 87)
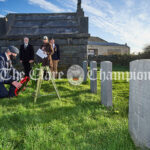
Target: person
point(47, 48)
point(26, 56)
point(55, 56)
point(8, 73)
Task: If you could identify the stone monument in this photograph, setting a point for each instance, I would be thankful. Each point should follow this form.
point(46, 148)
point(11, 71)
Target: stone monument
point(106, 83)
point(139, 103)
point(85, 68)
point(93, 76)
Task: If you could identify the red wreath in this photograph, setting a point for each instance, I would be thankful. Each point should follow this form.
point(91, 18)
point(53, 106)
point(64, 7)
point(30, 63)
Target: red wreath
point(24, 83)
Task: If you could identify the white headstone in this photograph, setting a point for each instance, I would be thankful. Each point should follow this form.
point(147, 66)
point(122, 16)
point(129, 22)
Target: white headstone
point(106, 83)
point(85, 68)
point(139, 103)
point(93, 76)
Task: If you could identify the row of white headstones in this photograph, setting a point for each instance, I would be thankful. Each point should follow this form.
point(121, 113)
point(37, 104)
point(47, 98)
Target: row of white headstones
point(106, 84)
point(139, 97)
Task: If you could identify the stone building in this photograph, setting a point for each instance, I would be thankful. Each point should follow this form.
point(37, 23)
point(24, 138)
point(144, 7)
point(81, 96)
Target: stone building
point(69, 29)
point(98, 46)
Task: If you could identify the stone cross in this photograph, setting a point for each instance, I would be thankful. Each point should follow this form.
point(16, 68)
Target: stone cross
point(93, 76)
point(85, 68)
point(139, 103)
point(106, 83)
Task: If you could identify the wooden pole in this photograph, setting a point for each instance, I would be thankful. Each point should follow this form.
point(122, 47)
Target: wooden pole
point(39, 82)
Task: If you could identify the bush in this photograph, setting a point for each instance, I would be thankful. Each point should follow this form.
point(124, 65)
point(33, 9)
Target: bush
point(123, 60)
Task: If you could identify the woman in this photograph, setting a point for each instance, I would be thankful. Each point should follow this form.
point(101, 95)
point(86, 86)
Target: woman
point(48, 49)
point(55, 56)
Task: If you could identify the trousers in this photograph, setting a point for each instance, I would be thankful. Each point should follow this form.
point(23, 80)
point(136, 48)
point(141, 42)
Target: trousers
point(4, 93)
point(27, 68)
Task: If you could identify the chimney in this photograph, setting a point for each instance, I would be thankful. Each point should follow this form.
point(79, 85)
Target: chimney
point(80, 11)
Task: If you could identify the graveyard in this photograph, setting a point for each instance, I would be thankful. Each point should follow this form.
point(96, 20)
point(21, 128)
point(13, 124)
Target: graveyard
point(107, 111)
point(77, 121)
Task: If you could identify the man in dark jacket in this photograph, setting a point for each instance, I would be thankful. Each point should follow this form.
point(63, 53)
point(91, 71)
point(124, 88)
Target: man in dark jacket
point(8, 75)
point(26, 56)
point(55, 56)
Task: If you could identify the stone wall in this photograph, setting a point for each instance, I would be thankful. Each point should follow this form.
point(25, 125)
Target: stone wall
point(73, 49)
point(37, 24)
point(2, 26)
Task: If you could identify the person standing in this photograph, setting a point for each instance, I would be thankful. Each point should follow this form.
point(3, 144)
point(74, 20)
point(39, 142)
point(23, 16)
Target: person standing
point(55, 56)
point(8, 73)
point(47, 48)
point(26, 55)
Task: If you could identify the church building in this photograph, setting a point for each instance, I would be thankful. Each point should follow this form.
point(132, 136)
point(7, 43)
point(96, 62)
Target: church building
point(70, 31)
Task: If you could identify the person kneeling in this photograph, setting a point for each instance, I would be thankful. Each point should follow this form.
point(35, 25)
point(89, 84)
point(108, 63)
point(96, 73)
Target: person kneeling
point(7, 73)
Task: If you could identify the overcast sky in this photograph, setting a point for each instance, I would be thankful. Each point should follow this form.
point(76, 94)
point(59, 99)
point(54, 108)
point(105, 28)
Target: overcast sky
point(120, 21)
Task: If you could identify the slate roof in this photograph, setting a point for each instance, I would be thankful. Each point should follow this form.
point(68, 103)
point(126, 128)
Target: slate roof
point(105, 43)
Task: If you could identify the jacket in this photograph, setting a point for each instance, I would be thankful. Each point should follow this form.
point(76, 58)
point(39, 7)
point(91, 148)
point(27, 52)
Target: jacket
point(56, 55)
point(8, 74)
point(26, 54)
point(49, 51)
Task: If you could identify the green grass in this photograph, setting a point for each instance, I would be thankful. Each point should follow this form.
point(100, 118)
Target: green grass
point(77, 122)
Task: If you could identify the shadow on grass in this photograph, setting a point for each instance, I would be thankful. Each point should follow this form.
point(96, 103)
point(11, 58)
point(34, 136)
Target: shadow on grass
point(95, 138)
point(26, 116)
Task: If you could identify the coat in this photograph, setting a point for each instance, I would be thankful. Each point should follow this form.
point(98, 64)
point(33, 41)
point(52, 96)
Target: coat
point(26, 54)
point(7, 72)
point(56, 55)
point(49, 51)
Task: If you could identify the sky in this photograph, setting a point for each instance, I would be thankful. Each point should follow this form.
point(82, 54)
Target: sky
point(119, 21)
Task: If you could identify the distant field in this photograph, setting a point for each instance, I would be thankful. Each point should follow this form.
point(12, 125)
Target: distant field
point(77, 122)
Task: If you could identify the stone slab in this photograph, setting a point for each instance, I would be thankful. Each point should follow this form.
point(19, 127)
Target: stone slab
point(106, 83)
point(93, 76)
point(139, 103)
point(85, 68)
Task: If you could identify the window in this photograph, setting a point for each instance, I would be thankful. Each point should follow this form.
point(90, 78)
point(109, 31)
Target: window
point(91, 52)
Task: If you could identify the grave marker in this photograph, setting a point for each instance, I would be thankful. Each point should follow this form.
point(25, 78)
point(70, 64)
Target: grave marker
point(93, 76)
point(106, 83)
point(139, 103)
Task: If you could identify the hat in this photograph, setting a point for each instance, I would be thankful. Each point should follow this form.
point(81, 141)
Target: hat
point(45, 38)
point(13, 49)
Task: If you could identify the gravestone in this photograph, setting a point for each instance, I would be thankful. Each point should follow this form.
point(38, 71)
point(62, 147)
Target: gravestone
point(106, 83)
point(85, 68)
point(139, 103)
point(93, 76)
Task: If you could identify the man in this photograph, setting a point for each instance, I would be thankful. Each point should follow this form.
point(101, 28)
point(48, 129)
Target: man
point(55, 56)
point(8, 73)
point(26, 56)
